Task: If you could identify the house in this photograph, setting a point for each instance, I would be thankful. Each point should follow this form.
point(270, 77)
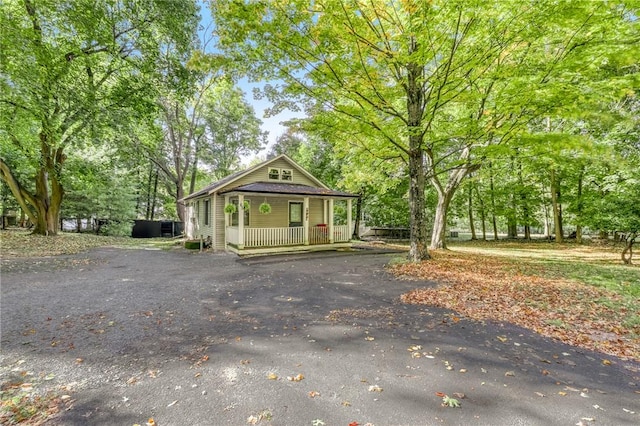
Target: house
point(274, 206)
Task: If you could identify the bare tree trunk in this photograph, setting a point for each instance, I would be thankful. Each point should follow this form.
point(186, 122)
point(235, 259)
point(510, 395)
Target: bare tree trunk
point(482, 214)
point(526, 215)
point(440, 222)
point(557, 206)
point(147, 215)
point(471, 224)
point(579, 218)
point(493, 203)
point(445, 195)
point(154, 196)
point(418, 250)
point(627, 253)
point(356, 225)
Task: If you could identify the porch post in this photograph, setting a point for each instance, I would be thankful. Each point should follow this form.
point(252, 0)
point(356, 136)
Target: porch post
point(240, 221)
point(324, 211)
point(349, 224)
point(305, 221)
point(331, 239)
point(226, 222)
point(213, 221)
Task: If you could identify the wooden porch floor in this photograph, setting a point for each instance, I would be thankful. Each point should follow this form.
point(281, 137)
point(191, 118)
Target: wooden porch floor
point(254, 251)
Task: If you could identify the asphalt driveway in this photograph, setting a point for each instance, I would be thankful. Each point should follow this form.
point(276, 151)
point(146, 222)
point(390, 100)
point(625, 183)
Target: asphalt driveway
point(210, 339)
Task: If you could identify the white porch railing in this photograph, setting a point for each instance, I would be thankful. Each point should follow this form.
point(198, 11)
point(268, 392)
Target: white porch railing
point(341, 234)
point(294, 236)
point(269, 237)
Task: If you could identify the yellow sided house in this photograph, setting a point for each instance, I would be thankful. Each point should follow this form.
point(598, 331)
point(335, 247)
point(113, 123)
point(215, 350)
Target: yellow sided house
point(274, 206)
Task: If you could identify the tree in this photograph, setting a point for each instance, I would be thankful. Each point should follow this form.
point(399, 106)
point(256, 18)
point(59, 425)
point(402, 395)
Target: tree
point(231, 129)
point(427, 83)
point(69, 70)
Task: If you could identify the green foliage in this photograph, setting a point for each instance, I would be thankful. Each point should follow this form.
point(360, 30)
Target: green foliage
point(264, 208)
point(73, 73)
point(393, 81)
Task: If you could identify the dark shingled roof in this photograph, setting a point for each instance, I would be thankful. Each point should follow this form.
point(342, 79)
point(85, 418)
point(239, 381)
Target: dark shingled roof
point(288, 188)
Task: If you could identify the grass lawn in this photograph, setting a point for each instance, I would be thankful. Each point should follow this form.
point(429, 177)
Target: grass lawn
point(17, 242)
point(580, 294)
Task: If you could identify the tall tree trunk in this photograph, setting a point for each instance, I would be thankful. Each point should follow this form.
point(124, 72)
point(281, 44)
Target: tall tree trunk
point(154, 196)
point(482, 215)
point(579, 209)
point(445, 195)
point(440, 221)
point(471, 224)
point(557, 206)
point(194, 171)
point(493, 203)
point(356, 225)
point(147, 215)
point(418, 250)
point(526, 214)
point(512, 213)
point(180, 206)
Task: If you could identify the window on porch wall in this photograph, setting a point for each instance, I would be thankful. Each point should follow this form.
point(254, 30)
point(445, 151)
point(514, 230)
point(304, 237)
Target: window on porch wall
point(234, 216)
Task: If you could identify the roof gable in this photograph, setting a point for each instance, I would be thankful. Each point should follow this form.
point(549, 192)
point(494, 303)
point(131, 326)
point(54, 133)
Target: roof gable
point(257, 173)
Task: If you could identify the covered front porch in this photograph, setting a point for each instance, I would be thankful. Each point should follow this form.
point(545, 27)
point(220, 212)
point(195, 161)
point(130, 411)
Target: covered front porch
point(294, 223)
point(286, 237)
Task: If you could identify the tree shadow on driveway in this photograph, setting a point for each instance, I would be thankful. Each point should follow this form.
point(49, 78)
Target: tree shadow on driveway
point(201, 339)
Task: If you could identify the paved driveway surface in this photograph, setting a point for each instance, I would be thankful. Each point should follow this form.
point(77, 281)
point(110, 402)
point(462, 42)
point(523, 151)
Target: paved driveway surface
point(210, 339)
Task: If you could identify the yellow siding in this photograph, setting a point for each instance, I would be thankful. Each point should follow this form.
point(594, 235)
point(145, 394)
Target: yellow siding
point(219, 221)
point(279, 216)
point(316, 212)
point(261, 175)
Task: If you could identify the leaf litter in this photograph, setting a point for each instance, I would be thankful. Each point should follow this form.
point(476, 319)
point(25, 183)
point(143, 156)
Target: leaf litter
point(484, 287)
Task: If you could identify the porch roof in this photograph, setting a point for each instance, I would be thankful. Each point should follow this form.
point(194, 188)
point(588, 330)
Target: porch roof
point(288, 189)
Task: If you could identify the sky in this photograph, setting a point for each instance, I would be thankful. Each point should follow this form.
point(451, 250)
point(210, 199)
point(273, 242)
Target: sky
point(269, 124)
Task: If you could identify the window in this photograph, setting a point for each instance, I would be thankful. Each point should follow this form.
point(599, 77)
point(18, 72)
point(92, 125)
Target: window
point(274, 174)
point(287, 175)
point(234, 216)
point(295, 213)
point(206, 212)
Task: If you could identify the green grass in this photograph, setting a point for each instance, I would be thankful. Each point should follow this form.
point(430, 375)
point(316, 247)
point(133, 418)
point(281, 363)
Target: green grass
point(595, 266)
point(619, 279)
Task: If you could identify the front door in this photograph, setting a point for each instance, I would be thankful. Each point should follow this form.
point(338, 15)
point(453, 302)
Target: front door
point(295, 214)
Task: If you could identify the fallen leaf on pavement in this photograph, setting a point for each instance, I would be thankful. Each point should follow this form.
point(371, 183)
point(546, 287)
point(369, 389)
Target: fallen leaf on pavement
point(296, 378)
point(450, 402)
point(375, 388)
